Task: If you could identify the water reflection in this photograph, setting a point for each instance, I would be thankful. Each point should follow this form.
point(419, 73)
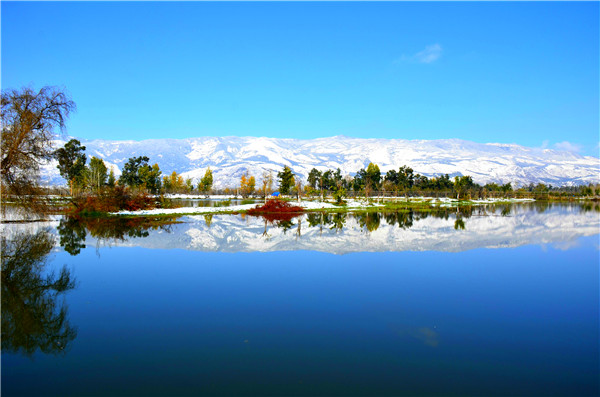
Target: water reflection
point(33, 316)
point(441, 229)
point(73, 230)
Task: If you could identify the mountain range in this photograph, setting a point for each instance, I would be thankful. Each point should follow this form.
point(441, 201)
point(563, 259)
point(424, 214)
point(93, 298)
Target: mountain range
point(230, 157)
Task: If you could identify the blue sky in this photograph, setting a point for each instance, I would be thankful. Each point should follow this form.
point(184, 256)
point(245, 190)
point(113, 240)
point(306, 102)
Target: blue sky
point(524, 73)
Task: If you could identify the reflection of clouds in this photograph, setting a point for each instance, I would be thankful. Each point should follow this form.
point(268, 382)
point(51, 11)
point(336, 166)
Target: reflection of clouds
point(566, 245)
point(426, 335)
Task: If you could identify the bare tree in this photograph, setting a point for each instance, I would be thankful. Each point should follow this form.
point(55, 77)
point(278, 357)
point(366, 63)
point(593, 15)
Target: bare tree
point(267, 184)
point(29, 121)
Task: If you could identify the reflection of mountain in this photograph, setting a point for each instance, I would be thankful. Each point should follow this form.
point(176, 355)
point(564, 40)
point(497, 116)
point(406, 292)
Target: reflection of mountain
point(378, 232)
point(33, 317)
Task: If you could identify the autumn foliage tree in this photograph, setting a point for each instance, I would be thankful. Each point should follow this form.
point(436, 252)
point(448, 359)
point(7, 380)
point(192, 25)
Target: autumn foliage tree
point(247, 184)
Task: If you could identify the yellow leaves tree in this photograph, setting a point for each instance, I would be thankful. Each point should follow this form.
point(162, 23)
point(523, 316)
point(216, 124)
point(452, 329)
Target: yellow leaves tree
point(174, 183)
point(247, 184)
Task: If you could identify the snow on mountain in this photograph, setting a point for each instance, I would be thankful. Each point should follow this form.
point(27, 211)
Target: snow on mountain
point(230, 157)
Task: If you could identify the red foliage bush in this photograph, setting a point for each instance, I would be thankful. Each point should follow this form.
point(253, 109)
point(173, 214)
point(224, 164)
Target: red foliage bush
point(276, 210)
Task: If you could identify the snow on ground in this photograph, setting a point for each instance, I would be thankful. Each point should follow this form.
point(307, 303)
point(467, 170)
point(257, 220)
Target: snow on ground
point(309, 205)
point(351, 204)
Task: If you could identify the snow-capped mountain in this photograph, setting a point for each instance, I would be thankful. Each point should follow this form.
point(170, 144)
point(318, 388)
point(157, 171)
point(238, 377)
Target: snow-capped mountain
point(230, 157)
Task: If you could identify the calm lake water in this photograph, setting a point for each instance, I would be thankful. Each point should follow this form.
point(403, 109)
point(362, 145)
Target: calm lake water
point(497, 300)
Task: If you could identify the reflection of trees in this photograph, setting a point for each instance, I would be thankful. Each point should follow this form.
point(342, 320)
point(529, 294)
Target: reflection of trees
point(72, 235)
point(370, 220)
point(318, 219)
point(338, 221)
point(403, 219)
point(285, 224)
point(590, 206)
point(506, 210)
point(72, 230)
point(459, 224)
point(32, 317)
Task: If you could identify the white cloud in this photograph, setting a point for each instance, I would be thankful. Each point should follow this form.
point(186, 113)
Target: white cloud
point(568, 147)
point(430, 54)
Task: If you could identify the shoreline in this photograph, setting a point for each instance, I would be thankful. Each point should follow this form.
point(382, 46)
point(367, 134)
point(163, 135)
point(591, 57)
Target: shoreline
point(318, 206)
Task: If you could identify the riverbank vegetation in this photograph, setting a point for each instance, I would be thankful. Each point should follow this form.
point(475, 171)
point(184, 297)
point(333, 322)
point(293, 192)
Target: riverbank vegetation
point(30, 118)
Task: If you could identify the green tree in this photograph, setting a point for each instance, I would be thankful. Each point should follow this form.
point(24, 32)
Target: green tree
point(372, 178)
point(392, 176)
point(29, 120)
point(405, 178)
point(506, 188)
point(462, 184)
point(359, 180)
point(71, 162)
point(96, 173)
point(206, 182)
point(189, 185)
point(286, 180)
point(150, 177)
point(111, 178)
point(314, 177)
point(338, 179)
point(130, 175)
point(139, 174)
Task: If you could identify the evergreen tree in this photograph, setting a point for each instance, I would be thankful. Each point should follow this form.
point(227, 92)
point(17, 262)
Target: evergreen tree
point(111, 182)
point(338, 180)
point(71, 162)
point(314, 177)
point(405, 178)
point(327, 180)
point(286, 180)
point(130, 175)
point(392, 177)
point(138, 173)
point(359, 180)
point(150, 178)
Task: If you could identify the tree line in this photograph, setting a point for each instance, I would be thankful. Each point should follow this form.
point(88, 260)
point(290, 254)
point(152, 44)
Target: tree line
point(137, 173)
point(30, 118)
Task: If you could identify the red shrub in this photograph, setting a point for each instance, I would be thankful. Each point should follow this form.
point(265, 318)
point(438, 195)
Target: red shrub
point(276, 210)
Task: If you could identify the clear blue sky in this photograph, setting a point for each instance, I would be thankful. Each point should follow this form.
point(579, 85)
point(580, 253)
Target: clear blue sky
point(524, 73)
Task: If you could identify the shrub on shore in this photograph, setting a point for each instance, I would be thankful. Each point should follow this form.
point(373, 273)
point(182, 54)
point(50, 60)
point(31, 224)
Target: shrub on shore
point(276, 210)
point(113, 200)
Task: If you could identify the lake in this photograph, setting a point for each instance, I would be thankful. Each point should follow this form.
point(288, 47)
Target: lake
point(487, 300)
